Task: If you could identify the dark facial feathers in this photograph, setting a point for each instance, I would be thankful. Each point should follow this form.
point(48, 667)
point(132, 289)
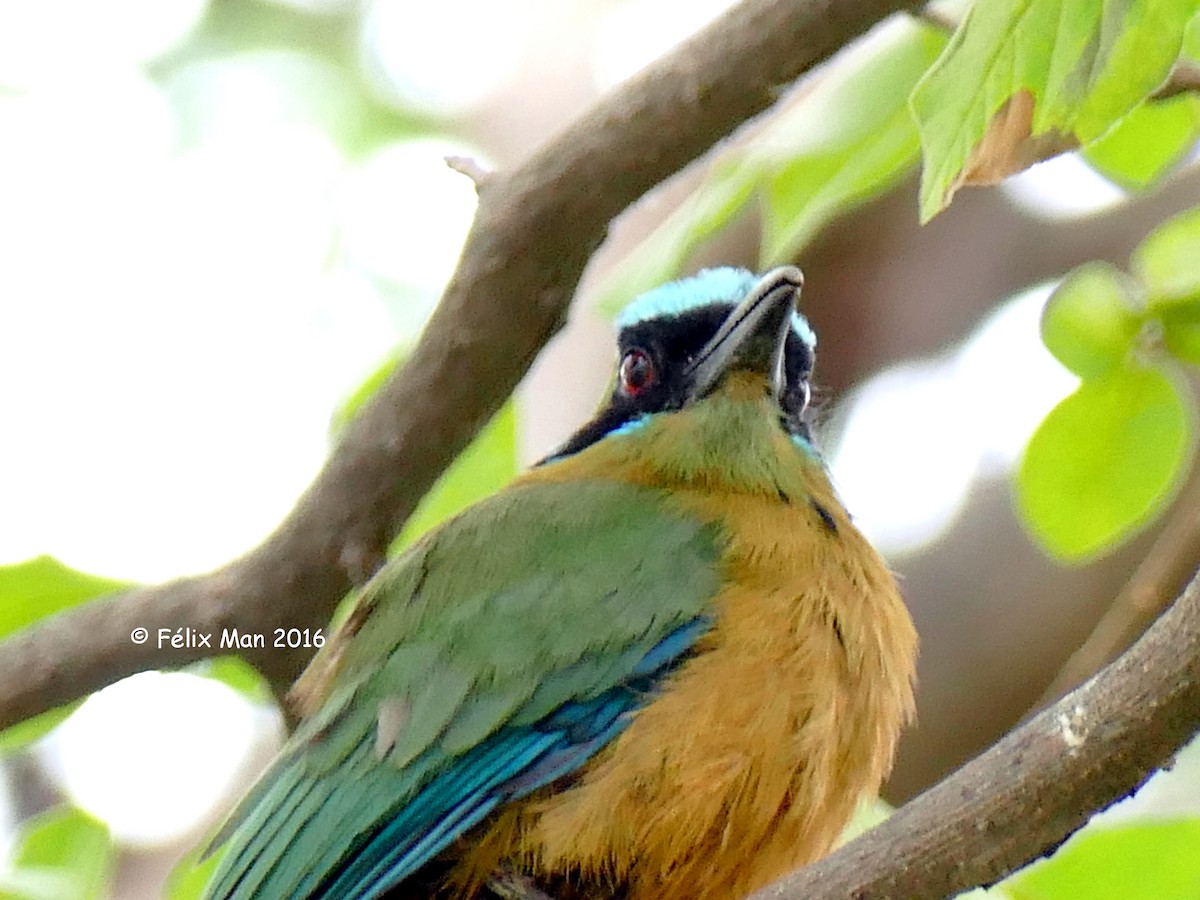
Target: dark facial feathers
point(672, 342)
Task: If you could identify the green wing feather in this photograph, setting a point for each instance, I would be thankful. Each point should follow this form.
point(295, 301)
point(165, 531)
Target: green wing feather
point(542, 596)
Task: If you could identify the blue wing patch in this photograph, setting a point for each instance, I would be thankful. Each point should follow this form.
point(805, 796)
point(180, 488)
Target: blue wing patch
point(407, 829)
point(509, 765)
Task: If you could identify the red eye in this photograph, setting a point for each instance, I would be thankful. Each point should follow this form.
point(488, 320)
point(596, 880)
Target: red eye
point(637, 372)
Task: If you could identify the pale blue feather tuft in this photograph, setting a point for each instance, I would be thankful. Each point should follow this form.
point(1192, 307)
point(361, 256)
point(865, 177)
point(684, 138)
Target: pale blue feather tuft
point(804, 444)
point(804, 331)
point(631, 426)
point(722, 285)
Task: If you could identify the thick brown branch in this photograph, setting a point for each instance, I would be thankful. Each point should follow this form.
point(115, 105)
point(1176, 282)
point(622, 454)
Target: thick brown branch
point(1036, 786)
point(535, 229)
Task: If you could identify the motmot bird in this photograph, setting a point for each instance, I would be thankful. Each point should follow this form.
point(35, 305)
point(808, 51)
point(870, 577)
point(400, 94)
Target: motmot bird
point(662, 663)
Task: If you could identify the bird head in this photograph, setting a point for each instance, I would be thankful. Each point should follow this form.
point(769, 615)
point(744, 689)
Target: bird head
point(703, 358)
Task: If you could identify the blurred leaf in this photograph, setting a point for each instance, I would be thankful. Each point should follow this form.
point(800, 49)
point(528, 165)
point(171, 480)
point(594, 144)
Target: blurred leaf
point(1024, 79)
point(301, 86)
point(1167, 262)
point(237, 674)
point(660, 256)
point(870, 813)
point(1148, 861)
point(1089, 323)
point(39, 587)
point(190, 876)
point(848, 141)
point(63, 854)
point(25, 733)
point(1181, 330)
point(351, 405)
point(312, 62)
point(1146, 144)
point(1105, 461)
point(487, 465)
point(30, 591)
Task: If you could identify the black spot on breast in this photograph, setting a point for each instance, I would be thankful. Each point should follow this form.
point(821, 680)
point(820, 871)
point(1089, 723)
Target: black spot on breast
point(783, 495)
point(837, 632)
point(827, 518)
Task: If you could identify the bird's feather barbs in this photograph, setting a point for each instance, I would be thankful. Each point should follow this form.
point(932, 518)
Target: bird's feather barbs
point(662, 664)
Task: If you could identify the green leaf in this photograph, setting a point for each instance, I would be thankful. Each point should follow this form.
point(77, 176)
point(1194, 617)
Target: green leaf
point(848, 141)
point(661, 255)
point(25, 733)
point(1167, 262)
point(63, 854)
point(1024, 79)
point(487, 465)
point(1181, 330)
point(1191, 40)
point(1146, 861)
point(189, 878)
point(870, 813)
point(39, 587)
point(1105, 461)
point(1148, 143)
point(30, 591)
point(1089, 323)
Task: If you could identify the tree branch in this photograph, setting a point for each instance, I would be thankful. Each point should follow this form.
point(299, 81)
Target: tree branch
point(1184, 79)
point(1023, 797)
point(535, 229)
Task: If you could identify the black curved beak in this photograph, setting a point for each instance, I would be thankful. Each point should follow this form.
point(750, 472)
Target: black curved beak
point(754, 336)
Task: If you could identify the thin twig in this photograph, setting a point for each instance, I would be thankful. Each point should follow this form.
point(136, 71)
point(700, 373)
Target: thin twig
point(469, 166)
point(1184, 79)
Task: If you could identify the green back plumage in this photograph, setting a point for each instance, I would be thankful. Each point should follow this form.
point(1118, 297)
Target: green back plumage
point(539, 599)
